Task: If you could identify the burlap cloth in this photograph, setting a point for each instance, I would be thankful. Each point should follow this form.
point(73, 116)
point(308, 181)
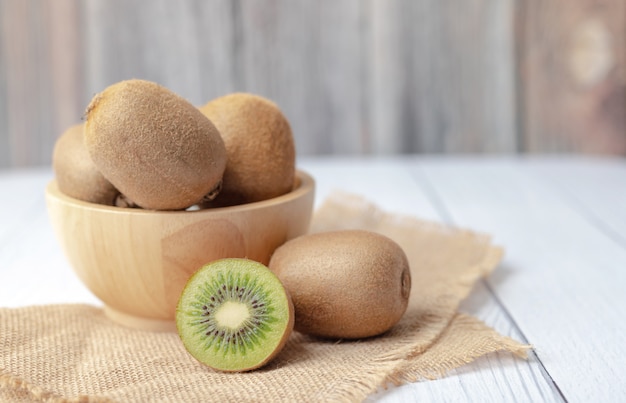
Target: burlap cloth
point(75, 353)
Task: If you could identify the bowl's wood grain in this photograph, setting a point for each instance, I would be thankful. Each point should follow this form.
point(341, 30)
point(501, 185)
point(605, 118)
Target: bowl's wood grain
point(138, 261)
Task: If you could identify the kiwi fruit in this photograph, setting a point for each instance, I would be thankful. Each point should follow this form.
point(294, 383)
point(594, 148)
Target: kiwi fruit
point(154, 146)
point(260, 148)
point(234, 315)
point(75, 173)
point(345, 284)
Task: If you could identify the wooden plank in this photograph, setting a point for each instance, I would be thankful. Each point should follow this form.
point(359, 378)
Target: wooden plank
point(62, 49)
point(390, 74)
point(498, 376)
point(376, 179)
point(41, 76)
point(332, 66)
point(19, 189)
point(184, 46)
point(305, 56)
point(442, 76)
point(215, 29)
point(562, 278)
point(33, 269)
point(5, 155)
point(590, 184)
point(495, 377)
point(20, 28)
point(353, 77)
point(572, 75)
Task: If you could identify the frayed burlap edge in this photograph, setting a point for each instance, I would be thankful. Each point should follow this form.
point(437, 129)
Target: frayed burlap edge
point(469, 338)
point(15, 389)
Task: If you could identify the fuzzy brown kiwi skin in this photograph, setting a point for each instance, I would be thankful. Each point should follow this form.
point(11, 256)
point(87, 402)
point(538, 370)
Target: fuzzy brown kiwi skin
point(345, 284)
point(260, 147)
point(75, 173)
point(153, 145)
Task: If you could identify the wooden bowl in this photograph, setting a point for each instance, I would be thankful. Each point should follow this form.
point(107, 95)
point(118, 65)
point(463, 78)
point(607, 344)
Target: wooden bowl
point(138, 261)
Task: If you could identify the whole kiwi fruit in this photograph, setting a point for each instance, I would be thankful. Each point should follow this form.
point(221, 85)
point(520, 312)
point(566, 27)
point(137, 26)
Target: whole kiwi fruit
point(153, 145)
point(234, 315)
point(344, 284)
point(260, 147)
point(75, 173)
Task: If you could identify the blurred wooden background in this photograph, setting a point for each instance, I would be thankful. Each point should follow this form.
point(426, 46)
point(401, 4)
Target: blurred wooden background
point(352, 76)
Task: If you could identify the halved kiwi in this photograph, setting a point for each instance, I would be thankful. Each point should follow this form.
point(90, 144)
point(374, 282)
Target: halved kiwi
point(234, 315)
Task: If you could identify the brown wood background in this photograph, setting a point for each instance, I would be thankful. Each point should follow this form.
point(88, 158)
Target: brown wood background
point(352, 76)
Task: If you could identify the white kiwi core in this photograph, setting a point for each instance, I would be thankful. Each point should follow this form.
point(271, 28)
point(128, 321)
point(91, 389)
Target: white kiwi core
point(232, 314)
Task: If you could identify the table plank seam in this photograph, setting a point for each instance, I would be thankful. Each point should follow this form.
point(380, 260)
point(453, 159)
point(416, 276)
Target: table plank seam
point(431, 193)
point(532, 353)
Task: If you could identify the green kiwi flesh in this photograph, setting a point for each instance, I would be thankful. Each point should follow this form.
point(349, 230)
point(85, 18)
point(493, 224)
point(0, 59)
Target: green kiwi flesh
point(234, 315)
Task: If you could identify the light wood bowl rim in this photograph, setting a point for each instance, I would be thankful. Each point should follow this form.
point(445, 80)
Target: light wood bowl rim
point(305, 184)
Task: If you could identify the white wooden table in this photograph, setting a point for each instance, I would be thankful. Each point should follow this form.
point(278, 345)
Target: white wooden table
point(561, 286)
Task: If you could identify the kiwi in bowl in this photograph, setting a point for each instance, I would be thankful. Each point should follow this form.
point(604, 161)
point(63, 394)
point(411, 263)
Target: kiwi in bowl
point(259, 146)
point(166, 158)
point(137, 261)
point(154, 146)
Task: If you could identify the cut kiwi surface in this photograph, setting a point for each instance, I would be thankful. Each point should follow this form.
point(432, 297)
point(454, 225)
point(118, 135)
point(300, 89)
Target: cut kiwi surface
point(234, 315)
